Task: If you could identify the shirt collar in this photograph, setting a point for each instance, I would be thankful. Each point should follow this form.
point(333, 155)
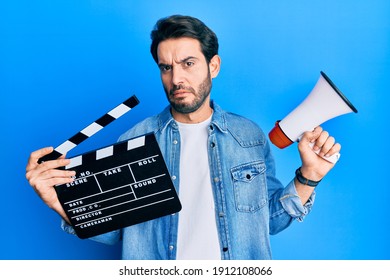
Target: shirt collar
point(219, 117)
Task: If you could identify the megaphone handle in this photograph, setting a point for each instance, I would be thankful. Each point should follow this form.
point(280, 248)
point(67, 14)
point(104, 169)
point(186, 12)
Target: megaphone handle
point(333, 158)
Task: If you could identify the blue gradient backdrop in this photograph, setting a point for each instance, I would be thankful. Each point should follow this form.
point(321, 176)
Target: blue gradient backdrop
point(65, 63)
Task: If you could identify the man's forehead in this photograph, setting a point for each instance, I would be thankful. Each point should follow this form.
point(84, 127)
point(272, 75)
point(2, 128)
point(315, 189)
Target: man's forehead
point(178, 49)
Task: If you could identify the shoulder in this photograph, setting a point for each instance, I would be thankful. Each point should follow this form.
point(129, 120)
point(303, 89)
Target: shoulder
point(244, 130)
point(152, 124)
point(235, 120)
point(147, 125)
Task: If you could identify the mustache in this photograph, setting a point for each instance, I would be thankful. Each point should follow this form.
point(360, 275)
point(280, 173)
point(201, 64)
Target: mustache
point(181, 87)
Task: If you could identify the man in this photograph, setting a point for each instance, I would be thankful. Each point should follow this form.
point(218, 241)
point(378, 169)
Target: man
point(220, 164)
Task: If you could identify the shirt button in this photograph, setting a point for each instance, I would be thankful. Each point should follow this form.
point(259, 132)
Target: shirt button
point(216, 179)
point(212, 144)
point(171, 247)
point(173, 177)
point(175, 142)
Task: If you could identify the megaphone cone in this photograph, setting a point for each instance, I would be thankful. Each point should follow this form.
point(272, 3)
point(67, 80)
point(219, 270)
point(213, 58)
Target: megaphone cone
point(324, 102)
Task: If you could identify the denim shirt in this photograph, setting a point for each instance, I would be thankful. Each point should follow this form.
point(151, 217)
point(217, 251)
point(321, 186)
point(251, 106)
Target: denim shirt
point(250, 203)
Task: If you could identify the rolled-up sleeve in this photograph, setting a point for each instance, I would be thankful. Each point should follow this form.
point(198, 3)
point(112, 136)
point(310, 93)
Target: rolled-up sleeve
point(286, 206)
point(67, 227)
point(291, 202)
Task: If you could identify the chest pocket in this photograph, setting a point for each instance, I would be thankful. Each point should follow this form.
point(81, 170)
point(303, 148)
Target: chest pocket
point(250, 187)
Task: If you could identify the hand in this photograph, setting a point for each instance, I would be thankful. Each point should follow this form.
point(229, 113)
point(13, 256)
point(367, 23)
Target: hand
point(43, 177)
point(314, 167)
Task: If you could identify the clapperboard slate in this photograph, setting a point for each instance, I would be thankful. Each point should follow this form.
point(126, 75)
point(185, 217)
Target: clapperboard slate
point(118, 185)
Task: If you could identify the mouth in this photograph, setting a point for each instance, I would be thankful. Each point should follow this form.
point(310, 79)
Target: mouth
point(180, 92)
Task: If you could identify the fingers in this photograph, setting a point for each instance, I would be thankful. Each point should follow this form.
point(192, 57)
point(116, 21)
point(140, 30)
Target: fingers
point(55, 173)
point(323, 144)
point(333, 150)
point(47, 174)
point(33, 168)
point(33, 159)
point(43, 177)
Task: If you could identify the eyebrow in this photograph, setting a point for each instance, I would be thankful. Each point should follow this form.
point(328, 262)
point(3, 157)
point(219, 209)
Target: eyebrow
point(188, 58)
point(180, 62)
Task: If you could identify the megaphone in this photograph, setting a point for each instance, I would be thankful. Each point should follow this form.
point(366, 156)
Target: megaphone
point(324, 102)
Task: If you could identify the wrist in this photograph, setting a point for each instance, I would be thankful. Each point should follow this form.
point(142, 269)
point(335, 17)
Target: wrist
point(305, 180)
point(311, 173)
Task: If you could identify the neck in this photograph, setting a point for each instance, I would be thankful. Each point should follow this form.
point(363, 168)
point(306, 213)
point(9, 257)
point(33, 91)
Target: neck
point(200, 115)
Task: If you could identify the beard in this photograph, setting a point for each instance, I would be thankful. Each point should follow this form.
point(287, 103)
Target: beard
point(179, 104)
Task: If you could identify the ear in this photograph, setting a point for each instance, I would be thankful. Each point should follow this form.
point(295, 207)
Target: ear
point(215, 65)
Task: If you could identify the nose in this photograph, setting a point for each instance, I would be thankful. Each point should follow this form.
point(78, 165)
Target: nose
point(177, 75)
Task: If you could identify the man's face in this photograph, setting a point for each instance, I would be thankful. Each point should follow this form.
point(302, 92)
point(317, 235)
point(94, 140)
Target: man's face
point(185, 74)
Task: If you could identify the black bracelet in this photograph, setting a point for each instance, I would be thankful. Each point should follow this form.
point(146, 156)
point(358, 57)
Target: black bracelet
point(303, 180)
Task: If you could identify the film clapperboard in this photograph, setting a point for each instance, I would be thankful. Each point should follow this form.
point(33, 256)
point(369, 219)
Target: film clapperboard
point(118, 185)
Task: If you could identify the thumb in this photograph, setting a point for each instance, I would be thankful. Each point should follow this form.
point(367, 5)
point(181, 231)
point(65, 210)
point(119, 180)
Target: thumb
point(308, 138)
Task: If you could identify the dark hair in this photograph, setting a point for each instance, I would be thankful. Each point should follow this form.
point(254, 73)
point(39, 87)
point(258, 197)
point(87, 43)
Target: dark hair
point(178, 26)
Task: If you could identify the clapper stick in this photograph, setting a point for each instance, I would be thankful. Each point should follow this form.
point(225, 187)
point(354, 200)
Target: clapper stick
point(91, 129)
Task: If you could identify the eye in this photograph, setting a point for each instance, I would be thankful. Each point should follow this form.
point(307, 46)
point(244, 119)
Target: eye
point(165, 68)
point(189, 63)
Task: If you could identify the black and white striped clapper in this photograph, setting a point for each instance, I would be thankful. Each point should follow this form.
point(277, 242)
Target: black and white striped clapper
point(91, 129)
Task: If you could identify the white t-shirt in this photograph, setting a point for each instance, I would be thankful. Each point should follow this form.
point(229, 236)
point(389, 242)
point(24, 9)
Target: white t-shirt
point(197, 232)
